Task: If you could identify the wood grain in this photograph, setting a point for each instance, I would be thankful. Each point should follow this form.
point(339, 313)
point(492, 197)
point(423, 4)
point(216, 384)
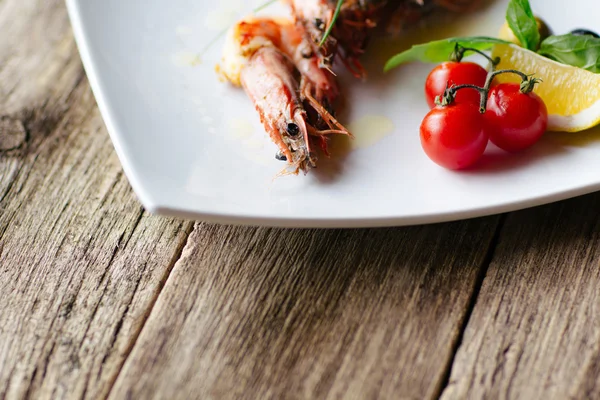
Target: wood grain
point(99, 299)
point(267, 313)
point(535, 330)
point(81, 263)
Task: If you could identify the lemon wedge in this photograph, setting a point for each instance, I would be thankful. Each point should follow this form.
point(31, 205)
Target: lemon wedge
point(571, 94)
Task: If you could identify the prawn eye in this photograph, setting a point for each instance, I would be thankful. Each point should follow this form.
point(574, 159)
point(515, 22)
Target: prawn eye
point(319, 24)
point(293, 129)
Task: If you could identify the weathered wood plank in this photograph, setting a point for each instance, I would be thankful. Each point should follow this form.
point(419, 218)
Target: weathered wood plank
point(81, 263)
point(535, 330)
point(39, 69)
point(268, 313)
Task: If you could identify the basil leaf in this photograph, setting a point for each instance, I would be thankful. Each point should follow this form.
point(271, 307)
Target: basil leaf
point(521, 20)
point(440, 50)
point(578, 51)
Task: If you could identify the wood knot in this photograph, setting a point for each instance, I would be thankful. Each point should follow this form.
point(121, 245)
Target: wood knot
point(12, 133)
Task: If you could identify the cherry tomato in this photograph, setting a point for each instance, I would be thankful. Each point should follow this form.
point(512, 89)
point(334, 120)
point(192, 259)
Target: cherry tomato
point(454, 136)
point(455, 73)
point(515, 121)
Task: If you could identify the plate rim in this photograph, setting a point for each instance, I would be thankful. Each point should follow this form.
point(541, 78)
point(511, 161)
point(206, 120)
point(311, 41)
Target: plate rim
point(97, 87)
point(379, 222)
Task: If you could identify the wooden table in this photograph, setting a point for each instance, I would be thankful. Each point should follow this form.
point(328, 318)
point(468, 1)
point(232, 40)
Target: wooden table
point(99, 299)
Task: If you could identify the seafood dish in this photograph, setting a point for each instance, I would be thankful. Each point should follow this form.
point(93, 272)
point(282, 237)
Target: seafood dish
point(287, 66)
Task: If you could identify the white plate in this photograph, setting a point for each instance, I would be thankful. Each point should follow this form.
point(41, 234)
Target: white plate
point(193, 147)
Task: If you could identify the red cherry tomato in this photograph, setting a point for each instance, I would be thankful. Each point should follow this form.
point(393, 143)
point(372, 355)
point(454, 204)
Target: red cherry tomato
point(454, 136)
point(515, 121)
point(455, 73)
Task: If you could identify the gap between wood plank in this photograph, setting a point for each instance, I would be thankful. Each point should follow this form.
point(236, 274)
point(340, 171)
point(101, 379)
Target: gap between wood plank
point(471, 306)
point(161, 286)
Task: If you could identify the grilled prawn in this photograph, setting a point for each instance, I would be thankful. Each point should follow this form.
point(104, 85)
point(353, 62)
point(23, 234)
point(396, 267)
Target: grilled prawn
point(356, 23)
point(349, 35)
point(264, 56)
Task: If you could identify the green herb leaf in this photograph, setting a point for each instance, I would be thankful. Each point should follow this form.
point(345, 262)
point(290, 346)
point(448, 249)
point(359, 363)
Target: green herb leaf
point(441, 50)
point(336, 14)
point(578, 51)
point(521, 20)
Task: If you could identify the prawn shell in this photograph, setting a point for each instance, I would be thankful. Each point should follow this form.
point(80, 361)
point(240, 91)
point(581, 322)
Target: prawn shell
point(268, 80)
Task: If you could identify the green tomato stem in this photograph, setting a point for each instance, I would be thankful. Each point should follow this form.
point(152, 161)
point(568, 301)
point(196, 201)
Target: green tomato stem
point(527, 85)
point(450, 93)
point(459, 54)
